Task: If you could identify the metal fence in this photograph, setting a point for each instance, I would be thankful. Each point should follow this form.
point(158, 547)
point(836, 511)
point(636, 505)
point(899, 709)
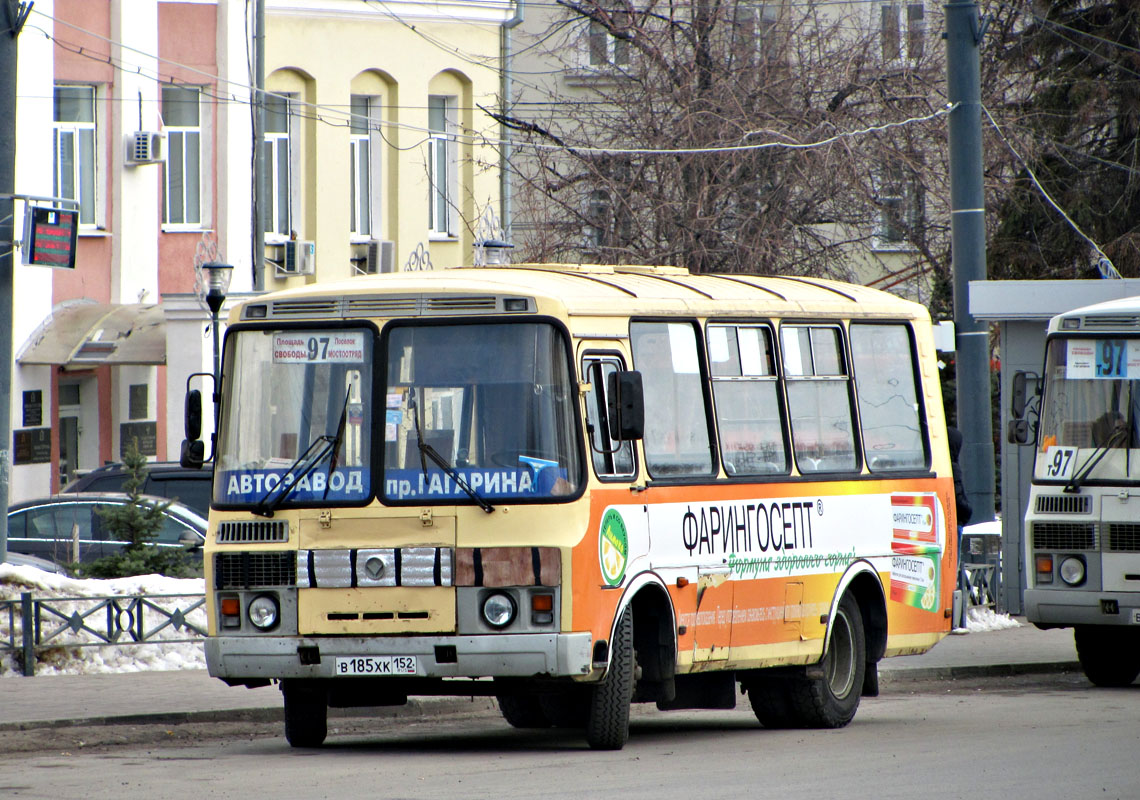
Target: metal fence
point(30, 625)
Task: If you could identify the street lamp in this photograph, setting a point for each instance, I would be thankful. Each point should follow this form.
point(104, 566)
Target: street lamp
point(218, 280)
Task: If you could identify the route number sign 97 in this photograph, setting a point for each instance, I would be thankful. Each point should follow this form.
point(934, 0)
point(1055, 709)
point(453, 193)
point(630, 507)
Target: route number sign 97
point(318, 347)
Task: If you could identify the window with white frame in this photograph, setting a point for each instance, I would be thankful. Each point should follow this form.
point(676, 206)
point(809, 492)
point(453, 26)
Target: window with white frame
point(277, 177)
point(75, 141)
point(754, 31)
point(902, 31)
point(363, 172)
point(899, 220)
point(443, 166)
point(182, 175)
point(603, 49)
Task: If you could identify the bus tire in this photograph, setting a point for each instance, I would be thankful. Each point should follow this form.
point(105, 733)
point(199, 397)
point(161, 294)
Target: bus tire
point(770, 702)
point(306, 715)
point(522, 711)
point(1109, 655)
point(607, 724)
point(831, 699)
point(566, 709)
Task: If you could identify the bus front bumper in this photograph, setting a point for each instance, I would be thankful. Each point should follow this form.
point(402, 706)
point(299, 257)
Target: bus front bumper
point(1065, 608)
point(516, 656)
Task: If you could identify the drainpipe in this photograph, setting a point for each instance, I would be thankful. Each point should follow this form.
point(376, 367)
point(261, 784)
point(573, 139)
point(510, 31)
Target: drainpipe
point(505, 104)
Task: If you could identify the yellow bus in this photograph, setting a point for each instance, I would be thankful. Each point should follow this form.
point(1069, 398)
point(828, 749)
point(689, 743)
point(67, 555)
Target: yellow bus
point(575, 487)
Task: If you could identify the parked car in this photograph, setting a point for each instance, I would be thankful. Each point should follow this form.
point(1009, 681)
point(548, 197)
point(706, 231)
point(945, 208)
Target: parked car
point(64, 526)
point(25, 560)
point(188, 485)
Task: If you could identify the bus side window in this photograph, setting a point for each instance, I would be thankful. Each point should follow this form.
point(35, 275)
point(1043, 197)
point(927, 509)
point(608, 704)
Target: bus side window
point(611, 459)
point(748, 414)
point(677, 442)
point(882, 357)
point(819, 400)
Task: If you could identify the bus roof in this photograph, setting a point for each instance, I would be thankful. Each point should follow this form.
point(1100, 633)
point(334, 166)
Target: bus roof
point(1121, 314)
point(587, 290)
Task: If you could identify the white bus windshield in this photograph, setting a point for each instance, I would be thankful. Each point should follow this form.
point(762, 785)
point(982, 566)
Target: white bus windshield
point(297, 420)
point(489, 404)
point(1090, 419)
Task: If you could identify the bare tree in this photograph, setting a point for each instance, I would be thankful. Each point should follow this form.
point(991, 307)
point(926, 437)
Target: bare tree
point(721, 135)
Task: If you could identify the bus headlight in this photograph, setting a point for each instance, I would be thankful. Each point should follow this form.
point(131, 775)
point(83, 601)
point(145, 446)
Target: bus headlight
point(263, 612)
point(1072, 570)
point(498, 610)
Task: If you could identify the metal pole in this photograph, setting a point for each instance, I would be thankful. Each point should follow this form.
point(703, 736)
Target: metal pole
point(259, 198)
point(10, 23)
point(968, 248)
point(29, 635)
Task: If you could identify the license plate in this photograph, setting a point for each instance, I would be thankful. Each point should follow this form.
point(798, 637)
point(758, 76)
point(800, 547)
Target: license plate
point(1136, 616)
point(376, 665)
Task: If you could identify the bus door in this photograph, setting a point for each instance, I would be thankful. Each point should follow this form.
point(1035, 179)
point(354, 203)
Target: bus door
point(714, 613)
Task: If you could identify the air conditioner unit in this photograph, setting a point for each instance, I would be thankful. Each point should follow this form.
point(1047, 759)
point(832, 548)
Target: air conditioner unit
point(374, 257)
point(144, 147)
point(297, 258)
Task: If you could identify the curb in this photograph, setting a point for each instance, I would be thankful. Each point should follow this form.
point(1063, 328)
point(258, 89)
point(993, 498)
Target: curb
point(904, 674)
point(428, 708)
point(415, 707)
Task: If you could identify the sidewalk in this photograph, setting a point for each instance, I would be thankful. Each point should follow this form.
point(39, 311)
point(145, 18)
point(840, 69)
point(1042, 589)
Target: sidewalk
point(192, 695)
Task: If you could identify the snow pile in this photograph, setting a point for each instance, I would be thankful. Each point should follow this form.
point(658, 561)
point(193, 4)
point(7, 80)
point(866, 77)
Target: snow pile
point(70, 660)
point(981, 619)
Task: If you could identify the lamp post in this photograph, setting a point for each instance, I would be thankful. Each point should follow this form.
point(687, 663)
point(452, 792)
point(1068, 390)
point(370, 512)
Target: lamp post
point(218, 280)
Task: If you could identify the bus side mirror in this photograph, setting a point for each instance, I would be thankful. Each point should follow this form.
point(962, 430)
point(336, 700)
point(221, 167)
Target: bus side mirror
point(193, 448)
point(626, 405)
point(193, 414)
point(1017, 401)
point(193, 453)
point(1017, 431)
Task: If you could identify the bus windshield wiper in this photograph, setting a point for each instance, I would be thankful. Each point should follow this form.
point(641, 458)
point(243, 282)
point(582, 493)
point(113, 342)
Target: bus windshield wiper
point(326, 446)
point(1117, 438)
point(430, 452)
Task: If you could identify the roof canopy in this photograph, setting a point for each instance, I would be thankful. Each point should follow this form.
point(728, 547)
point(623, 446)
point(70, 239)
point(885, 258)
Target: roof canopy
point(89, 334)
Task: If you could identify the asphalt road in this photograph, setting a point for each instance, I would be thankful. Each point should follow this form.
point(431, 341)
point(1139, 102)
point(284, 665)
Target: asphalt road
point(1039, 736)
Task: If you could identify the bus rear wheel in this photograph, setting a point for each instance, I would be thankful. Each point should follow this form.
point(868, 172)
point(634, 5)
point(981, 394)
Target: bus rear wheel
point(523, 711)
point(1109, 654)
point(306, 714)
point(607, 725)
point(830, 699)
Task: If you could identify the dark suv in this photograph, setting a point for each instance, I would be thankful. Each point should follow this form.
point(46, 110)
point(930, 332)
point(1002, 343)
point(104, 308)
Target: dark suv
point(167, 479)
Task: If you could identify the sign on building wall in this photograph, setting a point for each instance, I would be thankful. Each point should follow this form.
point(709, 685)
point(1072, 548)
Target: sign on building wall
point(145, 432)
point(31, 446)
point(50, 235)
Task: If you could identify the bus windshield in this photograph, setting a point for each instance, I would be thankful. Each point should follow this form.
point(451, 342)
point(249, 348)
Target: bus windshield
point(296, 427)
point(475, 413)
point(1090, 419)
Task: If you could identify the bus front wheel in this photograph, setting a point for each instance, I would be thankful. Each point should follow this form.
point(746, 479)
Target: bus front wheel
point(306, 714)
point(1109, 655)
point(607, 725)
point(830, 699)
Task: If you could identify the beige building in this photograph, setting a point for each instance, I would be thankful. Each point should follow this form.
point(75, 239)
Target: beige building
point(564, 64)
point(374, 142)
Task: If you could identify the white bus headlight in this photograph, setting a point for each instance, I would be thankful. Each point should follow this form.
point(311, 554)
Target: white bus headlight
point(1072, 570)
point(498, 610)
point(263, 612)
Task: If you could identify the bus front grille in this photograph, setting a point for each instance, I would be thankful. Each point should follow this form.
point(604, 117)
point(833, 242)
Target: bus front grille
point(1064, 504)
point(259, 531)
point(1124, 537)
point(1064, 535)
point(247, 570)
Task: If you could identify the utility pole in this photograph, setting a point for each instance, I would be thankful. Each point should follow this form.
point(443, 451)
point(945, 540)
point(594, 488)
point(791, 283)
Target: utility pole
point(964, 33)
point(258, 109)
point(11, 20)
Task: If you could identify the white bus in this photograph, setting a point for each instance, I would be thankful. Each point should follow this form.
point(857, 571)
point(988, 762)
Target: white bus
point(1082, 525)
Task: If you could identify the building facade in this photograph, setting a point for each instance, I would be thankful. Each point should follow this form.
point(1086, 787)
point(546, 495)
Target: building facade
point(140, 113)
